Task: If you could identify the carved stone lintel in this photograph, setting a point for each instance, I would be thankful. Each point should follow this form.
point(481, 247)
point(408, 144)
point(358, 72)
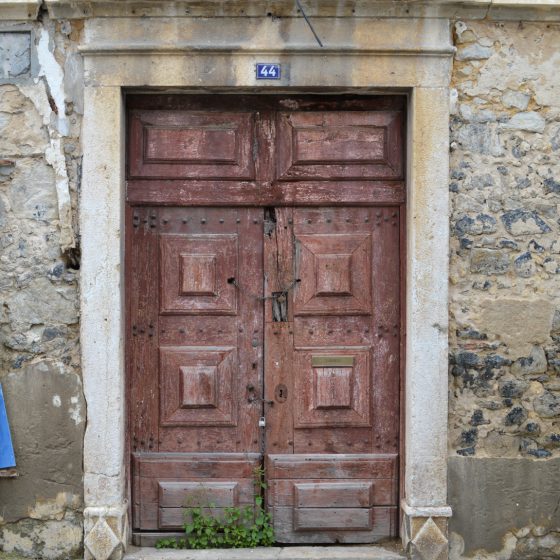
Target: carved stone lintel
point(105, 532)
point(424, 532)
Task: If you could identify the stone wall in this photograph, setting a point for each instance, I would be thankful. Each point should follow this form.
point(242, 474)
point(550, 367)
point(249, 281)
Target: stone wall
point(504, 421)
point(504, 284)
point(40, 106)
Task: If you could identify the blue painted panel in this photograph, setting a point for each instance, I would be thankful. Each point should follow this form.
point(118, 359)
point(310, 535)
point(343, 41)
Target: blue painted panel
point(7, 458)
point(268, 71)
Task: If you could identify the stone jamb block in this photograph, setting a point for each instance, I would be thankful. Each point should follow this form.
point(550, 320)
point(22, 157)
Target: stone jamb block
point(424, 532)
point(106, 532)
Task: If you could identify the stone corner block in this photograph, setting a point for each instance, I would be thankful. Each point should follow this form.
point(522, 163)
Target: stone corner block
point(105, 532)
point(424, 532)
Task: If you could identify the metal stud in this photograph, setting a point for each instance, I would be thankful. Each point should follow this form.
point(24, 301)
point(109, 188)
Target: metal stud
point(237, 221)
point(185, 220)
point(164, 221)
point(182, 331)
point(329, 220)
point(221, 220)
point(203, 221)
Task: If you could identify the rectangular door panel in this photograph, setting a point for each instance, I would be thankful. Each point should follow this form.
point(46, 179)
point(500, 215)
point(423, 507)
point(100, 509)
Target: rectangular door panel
point(333, 498)
point(338, 145)
point(191, 144)
point(167, 485)
point(332, 493)
point(360, 526)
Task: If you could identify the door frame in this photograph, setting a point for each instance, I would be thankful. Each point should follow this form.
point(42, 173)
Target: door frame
point(411, 57)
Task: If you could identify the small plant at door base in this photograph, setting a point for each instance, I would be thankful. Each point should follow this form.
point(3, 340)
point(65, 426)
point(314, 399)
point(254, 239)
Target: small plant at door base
point(244, 527)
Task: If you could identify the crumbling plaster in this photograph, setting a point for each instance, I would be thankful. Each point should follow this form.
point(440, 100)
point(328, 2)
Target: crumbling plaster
point(40, 160)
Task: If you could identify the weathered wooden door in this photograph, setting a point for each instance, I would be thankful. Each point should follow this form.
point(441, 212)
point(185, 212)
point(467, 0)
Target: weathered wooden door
point(263, 280)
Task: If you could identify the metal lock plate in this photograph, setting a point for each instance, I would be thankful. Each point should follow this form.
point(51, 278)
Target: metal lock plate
point(281, 393)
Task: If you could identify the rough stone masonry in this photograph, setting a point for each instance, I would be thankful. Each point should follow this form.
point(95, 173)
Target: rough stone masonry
point(40, 106)
point(504, 384)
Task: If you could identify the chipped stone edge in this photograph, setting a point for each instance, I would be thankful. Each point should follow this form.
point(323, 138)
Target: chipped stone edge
point(537, 10)
point(19, 9)
point(112, 525)
point(425, 511)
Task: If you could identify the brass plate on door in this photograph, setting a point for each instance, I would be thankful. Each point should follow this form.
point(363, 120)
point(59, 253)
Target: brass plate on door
point(332, 361)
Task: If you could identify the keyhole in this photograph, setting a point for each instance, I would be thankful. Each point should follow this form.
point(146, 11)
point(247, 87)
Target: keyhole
point(281, 393)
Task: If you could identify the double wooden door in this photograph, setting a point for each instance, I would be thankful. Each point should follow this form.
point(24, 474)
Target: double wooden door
point(263, 279)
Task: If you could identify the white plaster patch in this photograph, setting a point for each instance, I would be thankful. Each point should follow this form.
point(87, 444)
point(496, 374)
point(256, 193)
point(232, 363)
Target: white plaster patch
point(75, 410)
point(53, 73)
point(37, 94)
point(55, 157)
point(56, 401)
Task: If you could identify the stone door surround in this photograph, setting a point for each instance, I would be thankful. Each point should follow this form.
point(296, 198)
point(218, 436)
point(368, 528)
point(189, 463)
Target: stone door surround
point(362, 56)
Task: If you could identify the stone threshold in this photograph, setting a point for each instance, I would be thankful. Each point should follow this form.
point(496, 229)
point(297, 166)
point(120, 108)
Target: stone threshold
point(355, 552)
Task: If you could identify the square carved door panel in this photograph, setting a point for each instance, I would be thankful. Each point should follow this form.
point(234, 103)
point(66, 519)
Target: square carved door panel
point(334, 273)
point(332, 387)
point(196, 386)
point(194, 274)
